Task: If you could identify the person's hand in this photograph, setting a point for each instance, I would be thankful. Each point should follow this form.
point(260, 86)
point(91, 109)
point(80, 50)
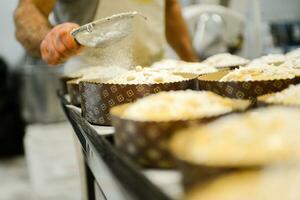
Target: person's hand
point(59, 44)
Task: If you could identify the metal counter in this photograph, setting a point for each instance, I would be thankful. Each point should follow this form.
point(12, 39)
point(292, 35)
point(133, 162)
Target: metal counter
point(112, 175)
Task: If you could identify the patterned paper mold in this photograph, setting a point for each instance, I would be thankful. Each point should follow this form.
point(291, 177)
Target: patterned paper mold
point(270, 184)
point(243, 89)
point(73, 91)
point(98, 98)
point(146, 140)
point(193, 174)
point(290, 97)
point(226, 60)
point(263, 137)
point(63, 82)
point(103, 73)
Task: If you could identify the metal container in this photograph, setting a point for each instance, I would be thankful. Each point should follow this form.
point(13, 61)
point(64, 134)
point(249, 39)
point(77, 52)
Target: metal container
point(39, 85)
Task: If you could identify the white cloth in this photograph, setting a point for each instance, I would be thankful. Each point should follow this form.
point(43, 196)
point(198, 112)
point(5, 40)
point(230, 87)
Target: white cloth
point(146, 42)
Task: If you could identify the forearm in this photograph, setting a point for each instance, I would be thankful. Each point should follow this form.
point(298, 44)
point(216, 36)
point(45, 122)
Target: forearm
point(176, 32)
point(31, 25)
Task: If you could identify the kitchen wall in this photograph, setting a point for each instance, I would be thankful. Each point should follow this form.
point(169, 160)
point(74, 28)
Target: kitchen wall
point(10, 49)
point(279, 10)
point(272, 10)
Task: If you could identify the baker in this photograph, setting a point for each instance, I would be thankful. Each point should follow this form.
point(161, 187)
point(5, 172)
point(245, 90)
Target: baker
point(43, 28)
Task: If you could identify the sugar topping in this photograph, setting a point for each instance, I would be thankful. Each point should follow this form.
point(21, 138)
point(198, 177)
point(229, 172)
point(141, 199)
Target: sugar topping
point(225, 60)
point(271, 59)
point(181, 105)
point(140, 76)
point(255, 138)
point(289, 96)
point(262, 72)
point(184, 67)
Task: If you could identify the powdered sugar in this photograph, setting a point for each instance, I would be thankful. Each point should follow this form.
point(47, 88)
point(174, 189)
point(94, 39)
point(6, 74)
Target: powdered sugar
point(107, 45)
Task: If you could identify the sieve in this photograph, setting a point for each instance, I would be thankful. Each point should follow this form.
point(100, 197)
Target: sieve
point(105, 31)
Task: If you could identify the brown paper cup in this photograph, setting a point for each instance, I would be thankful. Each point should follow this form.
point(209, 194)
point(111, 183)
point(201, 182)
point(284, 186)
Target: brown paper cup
point(227, 67)
point(242, 89)
point(146, 142)
point(98, 98)
point(262, 101)
point(193, 174)
point(63, 82)
point(73, 91)
point(230, 66)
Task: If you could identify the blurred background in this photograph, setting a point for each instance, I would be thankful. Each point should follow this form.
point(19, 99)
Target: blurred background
point(29, 107)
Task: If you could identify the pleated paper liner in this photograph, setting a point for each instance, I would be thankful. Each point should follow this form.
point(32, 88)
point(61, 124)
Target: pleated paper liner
point(262, 101)
point(242, 89)
point(230, 66)
point(73, 91)
point(146, 142)
point(98, 98)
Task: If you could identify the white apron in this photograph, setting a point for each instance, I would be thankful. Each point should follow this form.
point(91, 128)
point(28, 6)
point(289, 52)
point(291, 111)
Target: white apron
point(145, 44)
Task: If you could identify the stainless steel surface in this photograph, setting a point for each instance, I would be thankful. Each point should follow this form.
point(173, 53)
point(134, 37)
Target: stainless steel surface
point(167, 180)
point(106, 31)
point(39, 84)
